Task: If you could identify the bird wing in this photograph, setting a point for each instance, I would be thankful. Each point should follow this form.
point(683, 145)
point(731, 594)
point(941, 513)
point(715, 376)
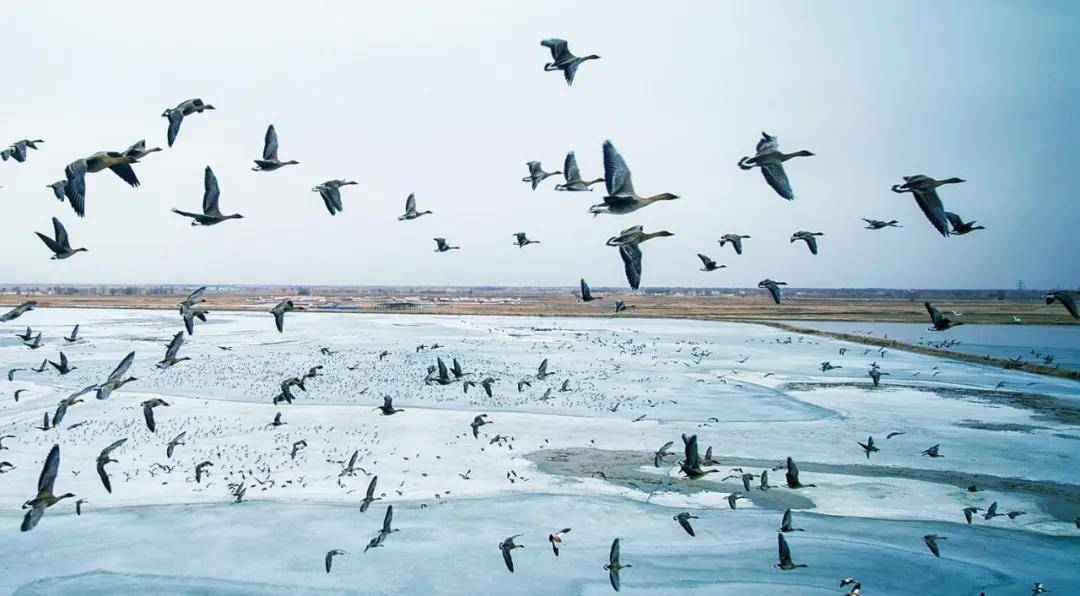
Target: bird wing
point(49, 242)
point(685, 523)
point(616, 174)
point(785, 552)
point(613, 577)
point(126, 173)
point(932, 208)
point(174, 345)
point(75, 332)
point(706, 261)
point(1069, 302)
point(776, 177)
point(135, 148)
point(371, 487)
point(329, 558)
point(613, 556)
point(935, 314)
point(775, 291)
point(570, 168)
point(559, 49)
point(197, 293)
point(279, 320)
point(767, 143)
point(631, 256)
point(506, 559)
point(75, 185)
point(331, 197)
point(388, 519)
point(410, 203)
point(123, 367)
point(49, 470)
point(786, 521)
point(930, 542)
point(20, 152)
point(585, 293)
point(211, 193)
point(148, 415)
point(569, 70)
point(812, 243)
point(270, 144)
point(60, 233)
point(443, 372)
point(543, 367)
point(954, 219)
point(104, 476)
point(175, 118)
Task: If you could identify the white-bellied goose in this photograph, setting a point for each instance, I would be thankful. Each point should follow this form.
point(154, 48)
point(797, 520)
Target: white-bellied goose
point(211, 214)
point(75, 175)
point(270, 161)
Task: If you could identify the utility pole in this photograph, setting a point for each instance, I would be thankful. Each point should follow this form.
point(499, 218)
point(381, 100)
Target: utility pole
point(1020, 286)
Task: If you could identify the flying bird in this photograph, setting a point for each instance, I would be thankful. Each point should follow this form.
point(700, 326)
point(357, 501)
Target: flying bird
point(45, 497)
point(59, 243)
point(572, 174)
point(442, 246)
point(785, 555)
point(709, 264)
point(925, 190)
point(809, 238)
point(771, 161)
point(628, 242)
point(537, 174)
point(684, 521)
point(877, 224)
point(330, 554)
point(556, 539)
point(148, 411)
point(410, 209)
point(773, 287)
point(562, 59)
point(105, 457)
point(279, 311)
point(330, 192)
point(211, 213)
point(170, 352)
point(939, 321)
point(270, 161)
point(1066, 299)
point(506, 546)
point(614, 565)
point(735, 240)
point(17, 312)
point(621, 198)
point(176, 115)
point(75, 175)
point(586, 293)
point(521, 240)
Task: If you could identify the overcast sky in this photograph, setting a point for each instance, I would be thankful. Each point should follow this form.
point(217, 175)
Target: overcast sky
point(449, 100)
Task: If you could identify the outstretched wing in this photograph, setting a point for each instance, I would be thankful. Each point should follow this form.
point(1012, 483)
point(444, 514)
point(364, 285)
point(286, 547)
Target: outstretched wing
point(776, 178)
point(410, 203)
point(387, 519)
point(175, 118)
point(631, 256)
point(570, 168)
point(935, 314)
point(123, 367)
point(60, 233)
point(932, 208)
point(270, 144)
point(559, 49)
point(174, 345)
point(706, 261)
point(124, 171)
point(616, 173)
point(211, 193)
point(49, 470)
point(49, 242)
point(75, 185)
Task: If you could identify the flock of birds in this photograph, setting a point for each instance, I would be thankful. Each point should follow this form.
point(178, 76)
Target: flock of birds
point(620, 199)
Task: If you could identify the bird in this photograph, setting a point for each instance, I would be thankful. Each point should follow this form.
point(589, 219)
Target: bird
point(827, 366)
point(25, 336)
point(770, 159)
point(189, 314)
point(684, 521)
point(148, 411)
point(969, 512)
point(572, 174)
point(877, 224)
point(387, 409)
point(939, 321)
point(586, 293)
point(17, 150)
point(959, 226)
point(875, 376)
point(330, 554)
point(614, 565)
point(785, 523)
point(67, 402)
point(177, 441)
point(1066, 300)
point(925, 190)
point(895, 434)
point(270, 161)
point(660, 454)
point(442, 246)
point(628, 242)
point(369, 497)
point(410, 209)
point(78, 506)
point(35, 343)
point(931, 543)
point(792, 475)
point(773, 287)
point(45, 497)
point(933, 451)
point(279, 311)
point(506, 546)
point(211, 213)
point(200, 469)
point(542, 371)
point(176, 115)
point(170, 353)
point(74, 337)
point(17, 312)
point(75, 175)
point(104, 458)
point(59, 244)
point(991, 512)
point(137, 150)
point(330, 191)
point(709, 264)
point(732, 498)
point(477, 422)
point(785, 555)
point(556, 539)
point(691, 464)
point(537, 174)
point(735, 240)
point(621, 198)
point(868, 447)
point(1038, 588)
point(809, 238)
point(62, 367)
point(522, 240)
point(562, 59)
point(277, 421)
point(116, 378)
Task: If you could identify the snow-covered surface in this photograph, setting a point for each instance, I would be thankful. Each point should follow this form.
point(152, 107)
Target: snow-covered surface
point(751, 392)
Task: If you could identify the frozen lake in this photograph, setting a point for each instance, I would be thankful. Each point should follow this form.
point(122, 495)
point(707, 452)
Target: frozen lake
point(579, 458)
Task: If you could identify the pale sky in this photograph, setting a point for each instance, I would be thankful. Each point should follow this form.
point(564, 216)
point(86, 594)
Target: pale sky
point(449, 100)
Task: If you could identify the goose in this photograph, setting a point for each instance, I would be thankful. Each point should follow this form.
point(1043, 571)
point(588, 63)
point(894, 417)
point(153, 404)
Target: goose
point(351, 468)
point(939, 321)
point(457, 370)
point(270, 161)
point(67, 402)
point(138, 150)
point(959, 226)
point(211, 214)
point(18, 311)
point(148, 411)
point(792, 476)
point(785, 523)
point(189, 314)
point(785, 555)
point(1066, 300)
point(659, 455)
point(410, 209)
point(75, 175)
point(877, 224)
point(684, 521)
point(574, 183)
point(709, 264)
point(387, 409)
point(735, 240)
point(613, 566)
point(27, 336)
point(773, 287)
point(444, 377)
point(170, 352)
point(17, 150)
point(330, 191)
point(562, 59)
point(628, 242)
point(733, 498)
point(542, 371)
point(586, 293)
point(330, 554)
point(193, 298)
point(691, 464)
point(487, 385)
point(868, 447)
point(59, 245)
point(45, 423)
point(556, 539)
point(925, 190)
point(35, 344)
point(200, 469)
point(621, 306)
point(770, 159)
point(41, 368)
point(369, 497)
point(809, 238)
point(933, 451)
point(62, 367)
point(875, 375)
point(522, 240)
point(58, 189)
point(177, 441)
point(45, 497)
point(279, 313)
point(74, 337)
point(105, 458)
point(537, 174)
point(931, 543)
point(11, 373)
point(442, 246)
point(176, 115)
point(621, 198)
point(508, 545)
point(477, 422)
point(388, 519)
